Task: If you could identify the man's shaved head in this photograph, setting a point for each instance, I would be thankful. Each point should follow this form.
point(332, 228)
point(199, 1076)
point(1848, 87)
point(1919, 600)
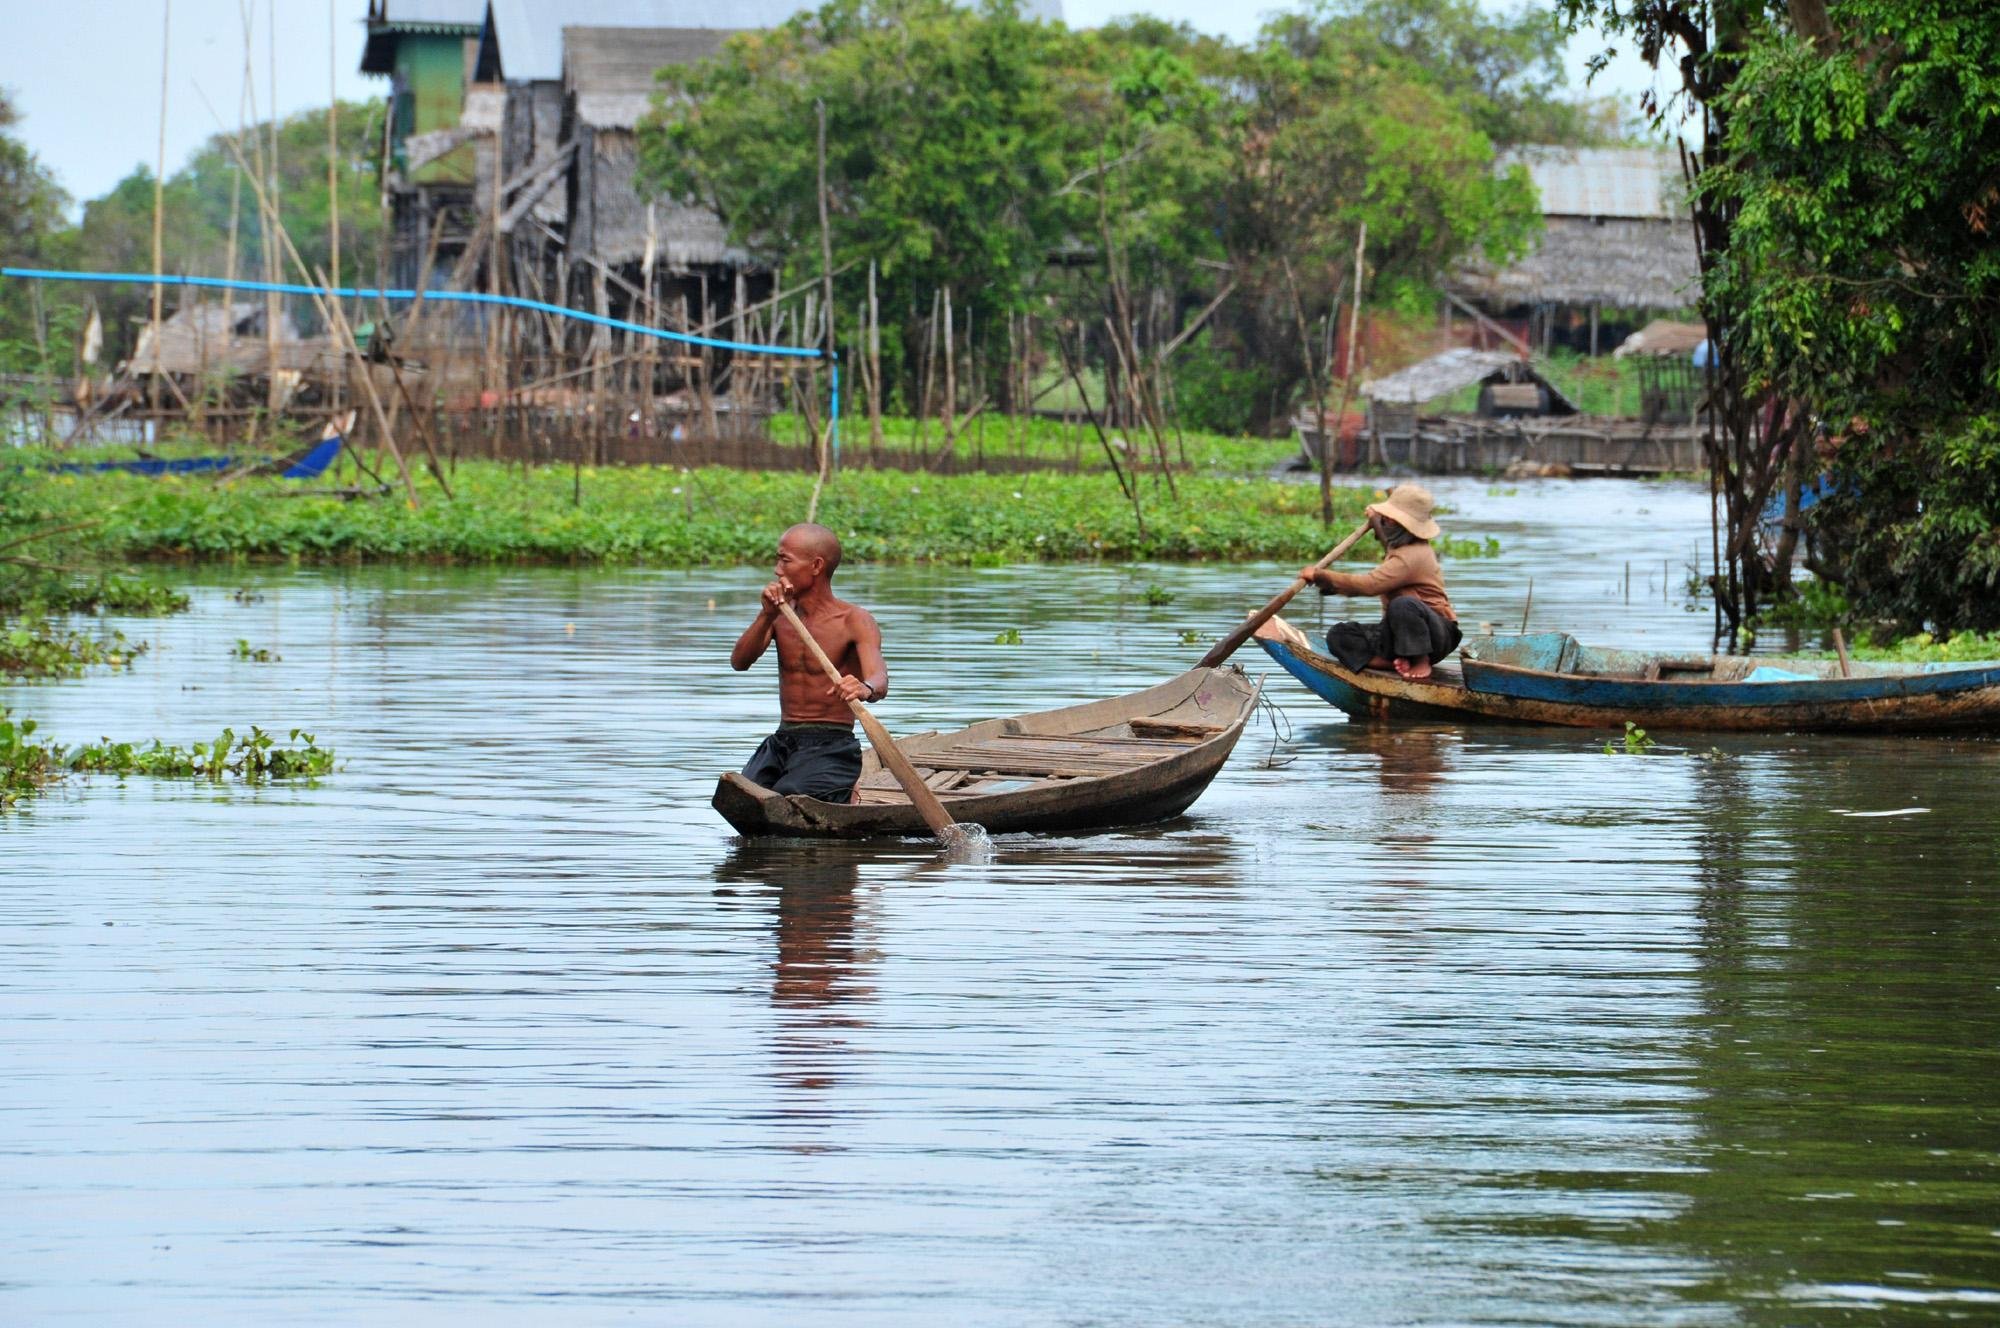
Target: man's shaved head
point(815, 541)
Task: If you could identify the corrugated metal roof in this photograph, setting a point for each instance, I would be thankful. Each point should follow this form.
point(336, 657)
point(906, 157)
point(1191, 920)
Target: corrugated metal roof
point(433, 13)
point(530, 31)
point(1604, 182)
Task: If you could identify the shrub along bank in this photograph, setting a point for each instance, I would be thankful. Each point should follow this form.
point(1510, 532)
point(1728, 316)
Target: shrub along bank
point(668, 517)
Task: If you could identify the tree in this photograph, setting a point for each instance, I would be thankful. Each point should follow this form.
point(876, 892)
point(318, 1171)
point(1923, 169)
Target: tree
point(967, 146)
point(31, 231)
point(1865, 263)
point(944, 134)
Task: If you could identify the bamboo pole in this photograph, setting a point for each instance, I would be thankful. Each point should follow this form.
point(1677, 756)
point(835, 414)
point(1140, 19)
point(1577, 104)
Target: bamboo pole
point(159, 212)
point(332, 161)
point(273, 305)
point(823, 442)
point(874, 363)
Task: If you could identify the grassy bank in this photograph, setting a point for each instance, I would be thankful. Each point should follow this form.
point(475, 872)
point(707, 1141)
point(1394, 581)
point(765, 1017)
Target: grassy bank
point(673, 518)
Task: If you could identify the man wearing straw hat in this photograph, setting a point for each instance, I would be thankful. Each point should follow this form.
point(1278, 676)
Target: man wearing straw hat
point(1418, 625)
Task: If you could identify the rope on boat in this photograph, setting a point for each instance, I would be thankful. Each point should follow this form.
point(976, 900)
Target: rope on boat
point(1281, 732)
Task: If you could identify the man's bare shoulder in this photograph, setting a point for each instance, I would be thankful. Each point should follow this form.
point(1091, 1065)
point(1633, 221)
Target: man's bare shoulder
point(855, 616)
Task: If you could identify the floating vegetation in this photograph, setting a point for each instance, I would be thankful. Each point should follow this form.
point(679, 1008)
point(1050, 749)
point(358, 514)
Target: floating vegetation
point(1158, 595)
point(254, 758)
point(1636, 743)
point(1190, 636)
point(27, 766)
point(630, 515)
point(36, 648)
point(1449, 546)
point(1010, 636)
point(254, 654)
point(245, 595)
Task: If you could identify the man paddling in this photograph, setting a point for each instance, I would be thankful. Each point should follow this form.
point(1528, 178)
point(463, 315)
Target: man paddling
point(814, 751)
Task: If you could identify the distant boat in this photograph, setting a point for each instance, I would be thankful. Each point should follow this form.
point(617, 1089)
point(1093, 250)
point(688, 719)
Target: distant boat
point(1550, 678)
point(1142, 757)
point(307, 465)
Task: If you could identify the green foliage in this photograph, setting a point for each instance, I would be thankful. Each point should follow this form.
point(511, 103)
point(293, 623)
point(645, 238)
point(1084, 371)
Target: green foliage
point(253, 654)
point(31, 230)
point(1923, 648)
point(32, 647)
point(1635, 742)
point(1860, 282)
point(1191, 636)
point(28, 766)
point(1216, 393)
point(1156, 596)
point(1448, 546)
point(1007, 636)
point(966, 145)
point(255, 758)
point(504, 514)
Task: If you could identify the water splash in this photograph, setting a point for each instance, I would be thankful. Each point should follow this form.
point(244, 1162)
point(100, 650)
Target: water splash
point(966, 842)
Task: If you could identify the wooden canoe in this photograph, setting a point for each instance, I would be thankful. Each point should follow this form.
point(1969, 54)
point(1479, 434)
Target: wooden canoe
point(1128, 760)
point(1549, 678)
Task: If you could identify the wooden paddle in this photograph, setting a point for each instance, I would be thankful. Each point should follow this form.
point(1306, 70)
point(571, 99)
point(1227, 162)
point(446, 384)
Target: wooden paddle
point(1227, 645)
point(886, 750)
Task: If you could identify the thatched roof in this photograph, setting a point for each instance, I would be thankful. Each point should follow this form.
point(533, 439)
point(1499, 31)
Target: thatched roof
point(214, 337)
point(1621, 262)
point(609, 72)
point(685, 236)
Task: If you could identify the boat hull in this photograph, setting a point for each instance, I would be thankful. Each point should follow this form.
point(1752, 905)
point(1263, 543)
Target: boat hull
point(1156, 790)
point(1938, 700)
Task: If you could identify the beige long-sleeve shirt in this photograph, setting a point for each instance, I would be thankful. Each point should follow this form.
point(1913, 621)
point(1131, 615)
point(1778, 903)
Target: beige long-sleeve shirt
point(1410, 570)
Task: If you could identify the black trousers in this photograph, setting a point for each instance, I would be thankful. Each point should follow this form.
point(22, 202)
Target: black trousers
point(1410, 628)
point(819, 760)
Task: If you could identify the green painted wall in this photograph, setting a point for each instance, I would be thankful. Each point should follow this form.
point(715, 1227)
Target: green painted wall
point(430, 71)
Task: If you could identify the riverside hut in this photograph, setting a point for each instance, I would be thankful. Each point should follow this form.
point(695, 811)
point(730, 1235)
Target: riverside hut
point(1616, 240)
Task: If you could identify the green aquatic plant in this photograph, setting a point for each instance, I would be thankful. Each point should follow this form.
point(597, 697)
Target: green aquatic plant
point(629, 516)
point(254, 654)
point(1010, 636)
point(1190, 636)
point(1636, 743)
point(1449, 546)
point(26, 766)
point(256, 757)
point(1157, 595)
point(29, 765)
point(36, 648)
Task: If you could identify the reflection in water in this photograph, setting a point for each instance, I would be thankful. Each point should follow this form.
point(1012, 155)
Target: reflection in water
point(819, 971)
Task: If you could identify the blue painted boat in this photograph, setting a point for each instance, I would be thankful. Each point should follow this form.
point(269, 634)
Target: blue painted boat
point(307, 465)
point(1551, 678)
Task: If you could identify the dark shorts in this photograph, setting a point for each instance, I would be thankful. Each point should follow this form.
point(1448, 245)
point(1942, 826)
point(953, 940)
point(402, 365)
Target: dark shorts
point(1410, 628)
point(819, 760)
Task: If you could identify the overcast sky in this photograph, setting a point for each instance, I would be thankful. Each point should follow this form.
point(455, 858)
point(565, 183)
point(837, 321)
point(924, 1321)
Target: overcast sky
point(86, 75)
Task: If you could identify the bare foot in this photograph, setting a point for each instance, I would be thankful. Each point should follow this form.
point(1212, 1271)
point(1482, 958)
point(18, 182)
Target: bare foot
point(1416, 668)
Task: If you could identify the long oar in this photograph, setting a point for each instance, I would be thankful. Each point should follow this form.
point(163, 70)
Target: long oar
point(886, 750)
point(1228, 644)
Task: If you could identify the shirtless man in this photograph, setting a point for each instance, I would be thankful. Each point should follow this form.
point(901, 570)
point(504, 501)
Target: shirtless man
point(814, 751)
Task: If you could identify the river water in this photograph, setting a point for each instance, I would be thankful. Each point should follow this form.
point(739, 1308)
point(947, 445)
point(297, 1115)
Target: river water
point(1428, 1025)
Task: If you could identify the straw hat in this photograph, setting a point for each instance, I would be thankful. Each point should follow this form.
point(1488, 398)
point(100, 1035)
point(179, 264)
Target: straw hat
point(1409, 506)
